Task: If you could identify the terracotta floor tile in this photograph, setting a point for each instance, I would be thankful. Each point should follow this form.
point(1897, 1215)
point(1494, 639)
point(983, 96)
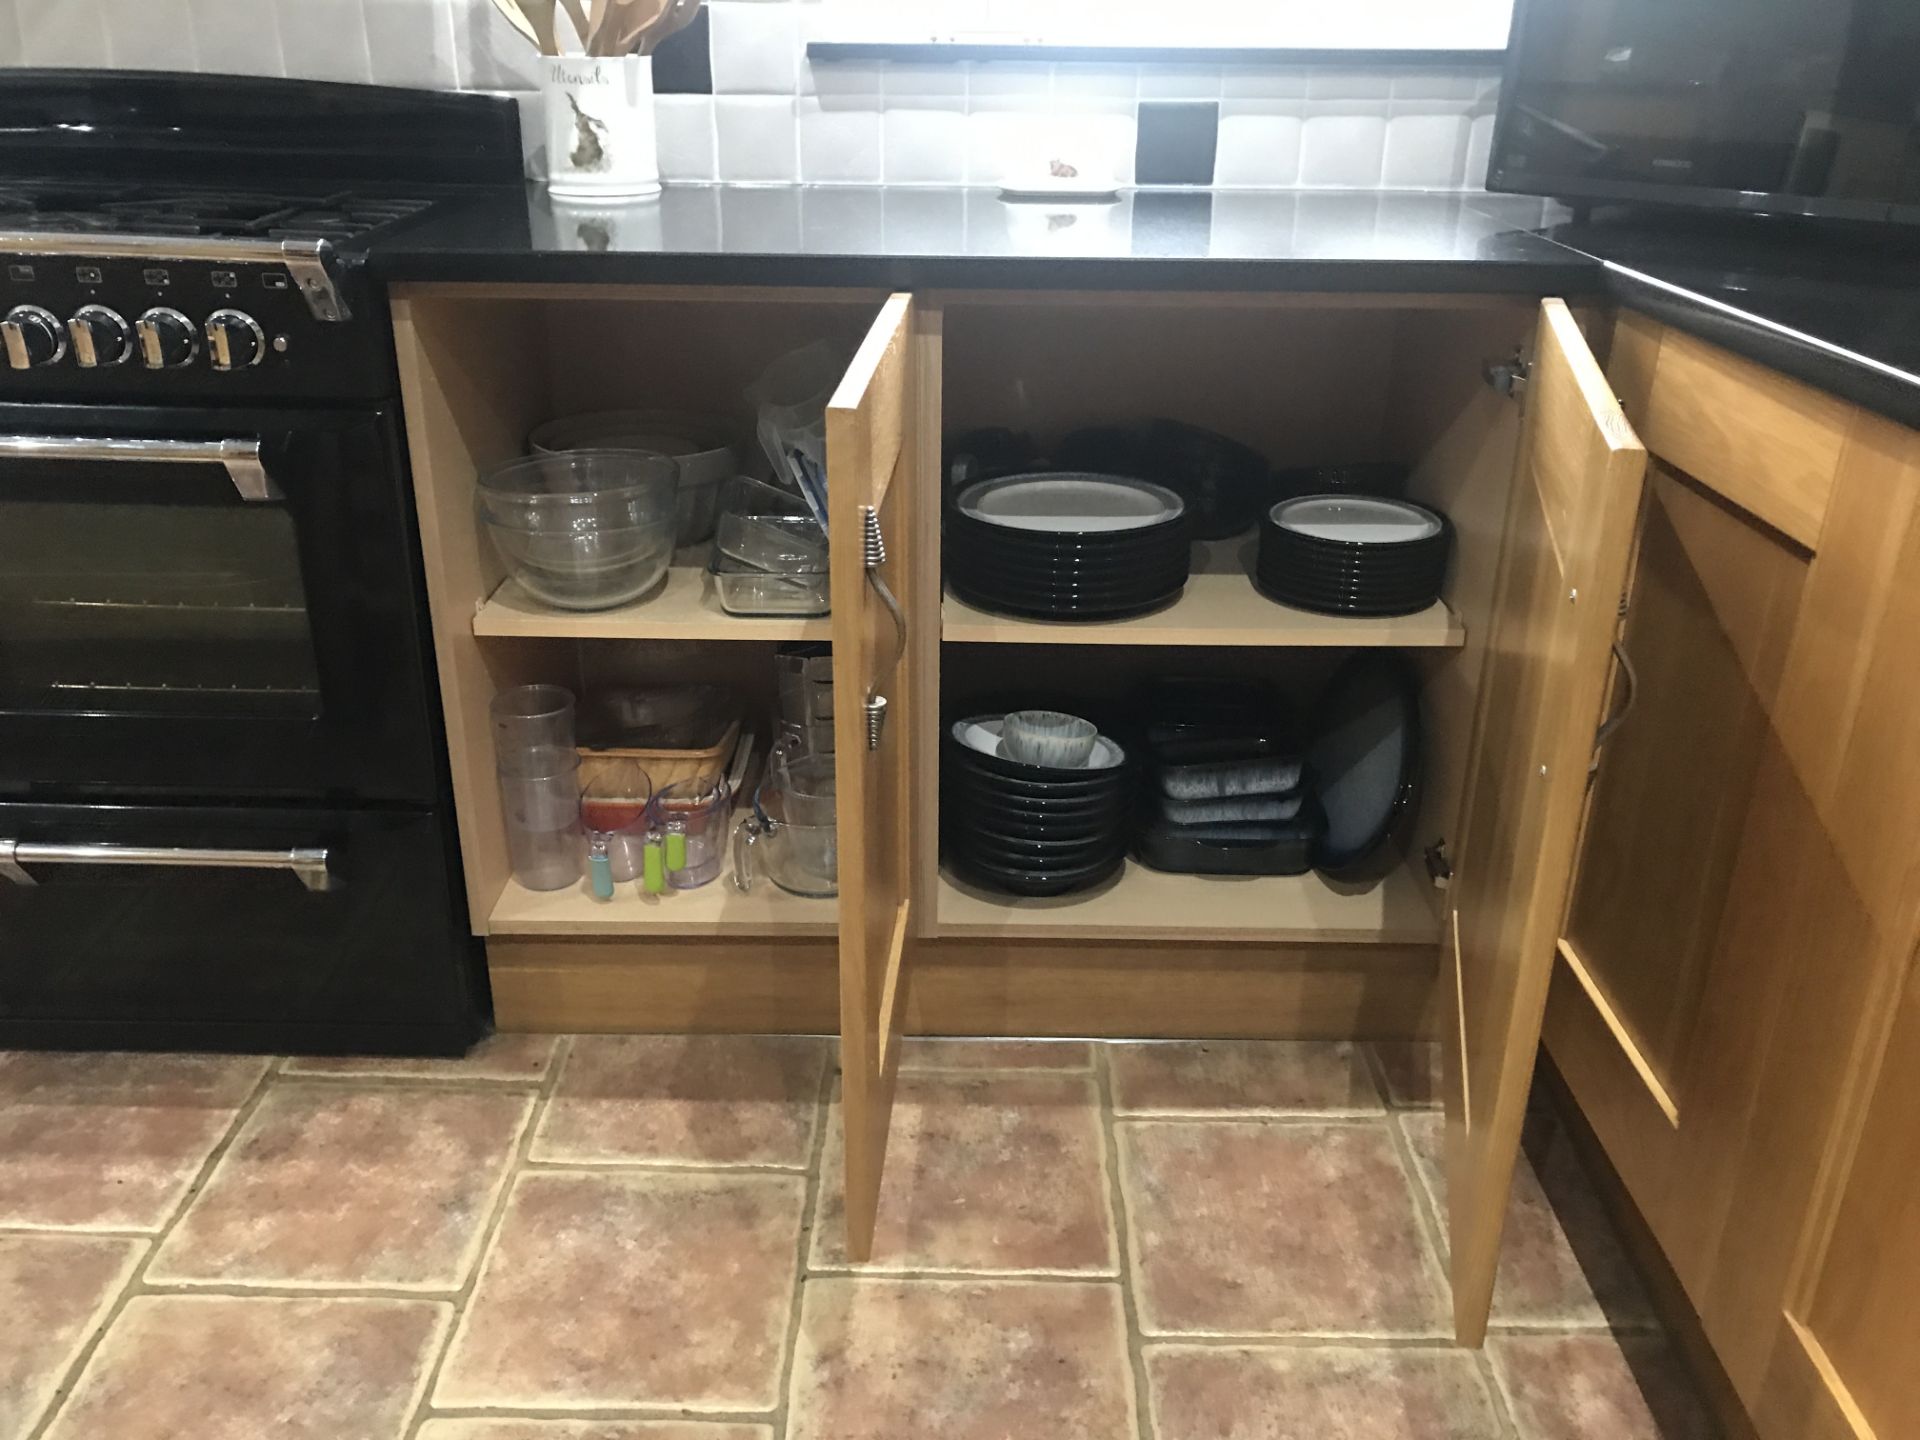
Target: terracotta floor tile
point(1241, 1077)
point(999, 1173)
point(1244, 1228)
point(214, 1367)
point(328, 1186)
point(54, 1291)
point(928, 1052)
point(1598, 1387)
point(685, 1100)
point(111, 1141)
point(960, 1360)
point(516, 1059)
point(1412, 1069)
point(589, 1430)
point(1315, 1393)
point(1561, 1264)
point(632, 1289)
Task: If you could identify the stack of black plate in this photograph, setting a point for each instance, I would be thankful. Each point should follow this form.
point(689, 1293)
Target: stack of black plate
point(1067, 546)
point(1031, 829)
point(1222, 481)
point(1352, 555)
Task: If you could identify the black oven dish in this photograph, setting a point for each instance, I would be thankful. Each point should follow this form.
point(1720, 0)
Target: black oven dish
point(225, 818)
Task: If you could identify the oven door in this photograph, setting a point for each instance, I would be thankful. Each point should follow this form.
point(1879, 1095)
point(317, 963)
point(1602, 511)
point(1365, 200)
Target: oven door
point(247, 928)
point(208, 603)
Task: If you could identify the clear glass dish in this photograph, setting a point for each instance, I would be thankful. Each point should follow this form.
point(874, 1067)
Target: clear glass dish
point(743, 590)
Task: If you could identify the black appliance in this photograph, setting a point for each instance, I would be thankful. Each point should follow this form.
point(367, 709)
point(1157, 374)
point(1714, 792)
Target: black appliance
point(1773, 106)
point(225, 816)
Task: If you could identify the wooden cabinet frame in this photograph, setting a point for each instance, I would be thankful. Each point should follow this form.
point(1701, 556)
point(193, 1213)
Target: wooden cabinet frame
point(1512, 667)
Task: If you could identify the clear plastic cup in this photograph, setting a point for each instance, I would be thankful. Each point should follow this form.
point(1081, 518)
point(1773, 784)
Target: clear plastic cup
point(531, 717)
point(540, 800)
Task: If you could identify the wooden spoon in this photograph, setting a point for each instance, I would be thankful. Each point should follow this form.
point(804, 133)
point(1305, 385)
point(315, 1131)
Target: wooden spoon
point(539, 14)
point(577, 13)
point(629, 21)
point(517, 18)
point(680, 15)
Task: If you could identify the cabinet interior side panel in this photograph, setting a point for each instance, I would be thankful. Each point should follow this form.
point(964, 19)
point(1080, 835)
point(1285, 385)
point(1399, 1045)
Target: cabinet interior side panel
point(473, 378)
point(1460, 437)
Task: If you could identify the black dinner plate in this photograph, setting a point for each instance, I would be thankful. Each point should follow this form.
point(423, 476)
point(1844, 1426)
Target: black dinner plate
point(1038, 880)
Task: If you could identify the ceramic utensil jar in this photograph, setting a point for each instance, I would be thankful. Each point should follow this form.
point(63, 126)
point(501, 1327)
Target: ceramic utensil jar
point(601, 140)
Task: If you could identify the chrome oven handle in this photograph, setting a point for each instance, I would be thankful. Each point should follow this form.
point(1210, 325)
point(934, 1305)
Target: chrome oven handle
point(241, 457)
point(309, 864)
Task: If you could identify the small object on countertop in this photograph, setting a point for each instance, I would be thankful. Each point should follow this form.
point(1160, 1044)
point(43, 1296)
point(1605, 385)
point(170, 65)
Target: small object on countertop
point(1048, 737)
point(1227, 778)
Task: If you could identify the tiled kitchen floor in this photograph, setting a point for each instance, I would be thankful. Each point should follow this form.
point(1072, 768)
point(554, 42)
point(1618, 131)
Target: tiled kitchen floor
point(638, 1238)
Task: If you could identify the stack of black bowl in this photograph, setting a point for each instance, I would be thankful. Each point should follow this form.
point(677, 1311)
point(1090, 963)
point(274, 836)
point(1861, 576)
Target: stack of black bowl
point(1352, 555)
point(1222, 481)
point(1354, 477)
point(1067, 546)
point(1031, 829)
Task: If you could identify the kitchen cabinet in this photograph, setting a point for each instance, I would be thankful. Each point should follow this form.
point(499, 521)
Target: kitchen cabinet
point(1513, 662)
point(1731, 1003)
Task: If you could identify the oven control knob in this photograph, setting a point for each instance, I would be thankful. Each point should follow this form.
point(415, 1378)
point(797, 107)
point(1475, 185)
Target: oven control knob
point(101, 337)
point(235, 340)
point(33, 337)
point(167, 339)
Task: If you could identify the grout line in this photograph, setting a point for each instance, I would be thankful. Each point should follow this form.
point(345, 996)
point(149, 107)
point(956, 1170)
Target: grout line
point(1496, 1388)
point(70, 1379)
point(809, 1217)
point(1426, 1205)
point(678, 1415)
point(1123, 1244)
point(657, 1167)
point(463, 1297)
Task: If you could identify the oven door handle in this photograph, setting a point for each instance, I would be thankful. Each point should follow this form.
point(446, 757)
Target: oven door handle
point(309, 864)
point(240, 457)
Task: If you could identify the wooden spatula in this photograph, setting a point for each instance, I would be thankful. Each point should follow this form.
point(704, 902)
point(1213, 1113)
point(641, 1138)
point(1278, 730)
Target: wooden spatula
point(539, 15)
point(517, 18)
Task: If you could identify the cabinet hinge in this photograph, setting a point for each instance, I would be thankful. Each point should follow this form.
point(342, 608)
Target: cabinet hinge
point(1439, 865)
point(1509, 376)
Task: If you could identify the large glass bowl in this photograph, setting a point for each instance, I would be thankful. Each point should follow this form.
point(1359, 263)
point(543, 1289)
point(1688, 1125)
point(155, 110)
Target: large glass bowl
point(584, 530)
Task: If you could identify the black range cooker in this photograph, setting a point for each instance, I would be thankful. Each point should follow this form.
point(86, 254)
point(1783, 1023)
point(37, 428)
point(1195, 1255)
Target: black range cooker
point(225, 819)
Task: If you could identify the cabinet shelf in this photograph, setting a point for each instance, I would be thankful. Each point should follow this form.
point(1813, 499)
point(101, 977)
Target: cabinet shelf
point(717, 909)
point(684, 607)
point(1218, 607)
point(1144, 904)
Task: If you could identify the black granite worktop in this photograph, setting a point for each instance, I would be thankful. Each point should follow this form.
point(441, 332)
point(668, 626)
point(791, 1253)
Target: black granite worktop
point(924, 238)
point(1835, 310)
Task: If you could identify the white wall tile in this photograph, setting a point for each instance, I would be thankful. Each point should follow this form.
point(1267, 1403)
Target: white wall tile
point(1436, 85)
point(1010, 85)
point(924, 147)
point(755, 47)
point(1329, 84)
point(326, 40)
point(924, 87)
point(1342, 146)
point(1108, 89)
point(236, 37)
point(147, 34)
point(62, 34)
point(489, 53)
point(1263, 82)
point(410, 42)
point(1259, 144)
point(684, 124)
point(1425, 152)
point(757, 138)
point(840, 145)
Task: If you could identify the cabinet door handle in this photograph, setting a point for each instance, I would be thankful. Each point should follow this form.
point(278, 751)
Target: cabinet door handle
point(309, 864)
point(240, 457)
point(1619, 717)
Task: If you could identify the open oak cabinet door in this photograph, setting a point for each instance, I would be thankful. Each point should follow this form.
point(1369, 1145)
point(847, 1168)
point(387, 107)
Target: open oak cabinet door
point(1563, 569)
point(878, 507)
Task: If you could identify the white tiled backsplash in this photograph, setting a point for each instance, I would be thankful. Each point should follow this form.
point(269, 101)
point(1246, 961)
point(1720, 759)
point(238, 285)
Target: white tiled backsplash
point(775, 117)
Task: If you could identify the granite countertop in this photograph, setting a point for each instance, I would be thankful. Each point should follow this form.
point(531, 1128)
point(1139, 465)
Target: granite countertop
point(1836, 311)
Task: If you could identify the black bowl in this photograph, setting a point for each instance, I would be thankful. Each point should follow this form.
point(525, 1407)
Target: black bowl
point(1018, 854)
point(1033, 801)
point(1035, 881)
